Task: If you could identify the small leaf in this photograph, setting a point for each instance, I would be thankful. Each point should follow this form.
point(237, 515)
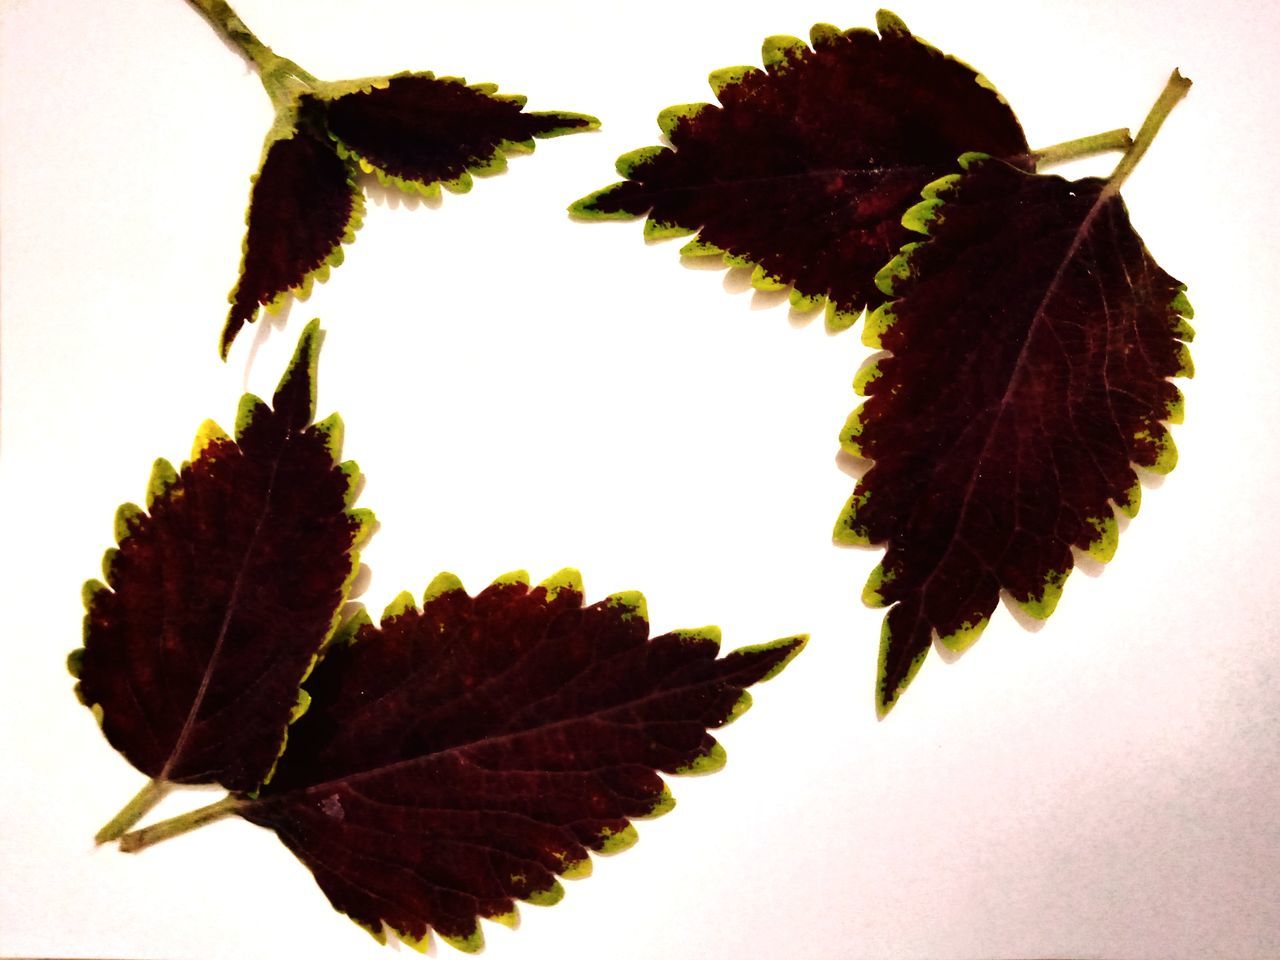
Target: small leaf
point(196, 646)
point(419, 129)
point(303, 207)
point(413, 131)
point(458, 758)
point(1030, 354)
point(804, 170)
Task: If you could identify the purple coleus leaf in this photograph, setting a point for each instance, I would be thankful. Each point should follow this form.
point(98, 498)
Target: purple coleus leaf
point(198, 638)
point(415, 131)
point(459, 757)
point(1031, 345)
point(805, 168)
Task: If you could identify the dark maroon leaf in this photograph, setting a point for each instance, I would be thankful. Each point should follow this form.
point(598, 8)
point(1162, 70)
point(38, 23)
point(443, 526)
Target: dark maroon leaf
point(415, 131)
point(418, 130)
point(458, 758)
point(303, 207)
point(1030, 351)
point(805, 169)
point(223, 591)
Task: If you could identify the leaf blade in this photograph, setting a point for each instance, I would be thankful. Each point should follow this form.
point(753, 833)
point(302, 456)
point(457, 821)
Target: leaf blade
point(1032, 345)
point(529, 730)
point(417, 130)
point(804, 168)
point(196, 646)
point(303, 206)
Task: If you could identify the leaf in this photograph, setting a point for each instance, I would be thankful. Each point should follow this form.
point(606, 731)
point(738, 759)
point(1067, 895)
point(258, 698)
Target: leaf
point(418, 131)
point(414, 131)
point(1030, 344)
point(804, 170)
point(458, 758)
point(197, 643)
point(303, 207)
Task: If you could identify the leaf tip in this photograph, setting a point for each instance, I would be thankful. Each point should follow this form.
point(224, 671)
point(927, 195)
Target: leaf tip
point(1106, 537)
point(472, 942)
point(546, 897)
point(163, 476)
point(612, 841)
point(964, 636)
point(513, 578)
point(590, 208)
point(726, 77)
point(442, 583)
point(567, 580)
point(849, 530)
point(779, 52)
point(630, 604)
point(670, 118)
point(890, 24)
point(128, 516)
point(840, 318)
point(877, 580)
point(789, 648)
point(208, 434)
point(295, 397)
point(1041, 606)
point(711, 760)
point(403, 603)
point(633, 162)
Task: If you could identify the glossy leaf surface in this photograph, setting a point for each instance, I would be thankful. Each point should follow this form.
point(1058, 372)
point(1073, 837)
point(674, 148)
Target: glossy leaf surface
point(805, 168)
point(414, 131)
point(197, 643)
point(458, 758)
point(1031, 345)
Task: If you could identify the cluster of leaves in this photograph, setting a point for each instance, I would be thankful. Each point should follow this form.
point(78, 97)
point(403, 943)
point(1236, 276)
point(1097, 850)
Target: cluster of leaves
point(430, 770)
point(458, 756)
point(414, 131)
point(1030, 336)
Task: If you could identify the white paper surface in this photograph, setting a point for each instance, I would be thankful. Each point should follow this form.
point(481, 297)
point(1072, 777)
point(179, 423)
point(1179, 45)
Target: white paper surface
point(525, 391)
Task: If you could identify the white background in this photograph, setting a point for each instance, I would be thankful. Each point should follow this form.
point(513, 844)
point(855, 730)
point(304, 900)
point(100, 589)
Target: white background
point(525, 391)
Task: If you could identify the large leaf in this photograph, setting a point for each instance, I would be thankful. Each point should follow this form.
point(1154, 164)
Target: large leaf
point(806, 167)
point(415, 131)
point(1030, 349)
point(458, 758)
point(197, 643)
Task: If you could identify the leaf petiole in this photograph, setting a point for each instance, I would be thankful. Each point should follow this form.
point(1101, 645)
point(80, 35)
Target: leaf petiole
point(1174, 90)
point(1083, 147)
point(281, 76)
point(176, 826)
point(134, 810)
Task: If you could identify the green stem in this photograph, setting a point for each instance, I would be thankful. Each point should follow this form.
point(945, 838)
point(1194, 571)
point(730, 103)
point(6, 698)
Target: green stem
point(134, 810)
point(1083, 147)
point(283, 78)
point(1174, 91)
point(175, 826)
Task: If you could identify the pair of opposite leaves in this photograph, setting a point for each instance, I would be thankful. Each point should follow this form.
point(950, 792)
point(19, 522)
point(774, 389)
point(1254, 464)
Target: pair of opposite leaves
point(998, 445)
point(1029, 341)
point(430, 770)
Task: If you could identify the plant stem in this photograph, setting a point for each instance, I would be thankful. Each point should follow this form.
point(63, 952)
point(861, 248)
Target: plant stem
point(1084, 147)
point(175, 826)
point(1174, 91)
point(281, 76)
point(134, 810)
